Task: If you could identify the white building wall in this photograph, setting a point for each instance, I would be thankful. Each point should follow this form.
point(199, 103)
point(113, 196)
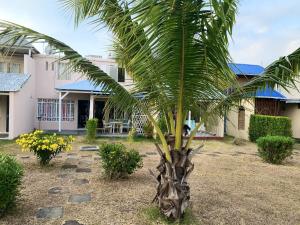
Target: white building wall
point(232, 120)
point(22, 103)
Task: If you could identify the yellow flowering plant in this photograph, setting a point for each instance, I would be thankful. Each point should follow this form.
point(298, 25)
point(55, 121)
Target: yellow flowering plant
point(44, 146)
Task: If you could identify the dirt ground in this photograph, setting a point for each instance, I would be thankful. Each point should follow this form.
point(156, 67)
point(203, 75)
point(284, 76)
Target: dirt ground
point(229, 185)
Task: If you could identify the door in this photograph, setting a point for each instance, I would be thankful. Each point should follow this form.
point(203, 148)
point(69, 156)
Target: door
point(7, 114)
point(99, 112)
point(83, 112)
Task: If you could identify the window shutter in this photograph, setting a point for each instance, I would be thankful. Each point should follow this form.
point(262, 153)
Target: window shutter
point(241, 118)
point(113, 71)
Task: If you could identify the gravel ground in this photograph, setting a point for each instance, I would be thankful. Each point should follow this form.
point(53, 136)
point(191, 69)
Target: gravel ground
point(230, 185)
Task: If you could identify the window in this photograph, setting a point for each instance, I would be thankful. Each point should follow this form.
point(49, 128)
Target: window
point(112, 70)
point(241, 118)
point(47, 65)
point(64, 72)
point(47, 110)
point(3, 67)
point(14, 68)
point(52, 66)
point(121, 74)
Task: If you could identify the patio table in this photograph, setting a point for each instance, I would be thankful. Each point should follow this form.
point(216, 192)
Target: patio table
point(116, 123)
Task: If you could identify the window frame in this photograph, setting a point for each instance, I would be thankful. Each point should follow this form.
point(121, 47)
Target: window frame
point(241, 118)
point(121, 74)
point(48, 109)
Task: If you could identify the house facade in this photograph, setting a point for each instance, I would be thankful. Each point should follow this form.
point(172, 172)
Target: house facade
point(271, 102)
point(38, 91)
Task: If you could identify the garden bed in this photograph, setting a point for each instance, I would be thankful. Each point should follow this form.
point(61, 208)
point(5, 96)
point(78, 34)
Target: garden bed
point(230, 185)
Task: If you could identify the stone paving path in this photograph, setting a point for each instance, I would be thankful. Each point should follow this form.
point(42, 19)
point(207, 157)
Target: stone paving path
point(73, 166)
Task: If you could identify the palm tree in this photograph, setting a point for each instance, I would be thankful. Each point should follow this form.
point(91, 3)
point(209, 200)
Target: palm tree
point(177, 53)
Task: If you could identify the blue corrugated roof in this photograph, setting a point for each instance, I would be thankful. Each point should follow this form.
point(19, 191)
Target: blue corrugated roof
point(246, 69)
point(81, 86)
point(12, 81)
point(269, 93)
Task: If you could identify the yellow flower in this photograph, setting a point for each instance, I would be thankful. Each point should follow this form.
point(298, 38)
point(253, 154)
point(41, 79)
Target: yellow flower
point(54, 146)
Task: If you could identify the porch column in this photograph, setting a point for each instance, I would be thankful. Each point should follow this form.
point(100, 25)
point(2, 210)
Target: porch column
point(60, 98)
point(189, 119)
point(92, 102)
point(59, 112)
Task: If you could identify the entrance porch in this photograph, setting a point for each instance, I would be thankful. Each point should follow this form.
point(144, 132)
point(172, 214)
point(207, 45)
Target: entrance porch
point(88, 103)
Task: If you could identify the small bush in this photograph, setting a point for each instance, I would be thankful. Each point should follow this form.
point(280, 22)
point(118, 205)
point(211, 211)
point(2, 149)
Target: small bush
point(44, 146)
point(148, 130)
point(91, 126)
point(119, 162)
point(11, 174)
point(132, 135)
point(162, 125)
point(274, 149)
point(261, 126)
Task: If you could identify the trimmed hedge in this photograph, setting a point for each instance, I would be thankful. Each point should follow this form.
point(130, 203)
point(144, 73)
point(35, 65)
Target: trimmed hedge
point(261, 126)
point(11, 173)
point(91, 126)
point(274, 149)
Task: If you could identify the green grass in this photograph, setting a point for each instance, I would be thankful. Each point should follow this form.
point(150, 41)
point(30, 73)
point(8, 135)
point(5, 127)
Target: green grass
point(152, 215)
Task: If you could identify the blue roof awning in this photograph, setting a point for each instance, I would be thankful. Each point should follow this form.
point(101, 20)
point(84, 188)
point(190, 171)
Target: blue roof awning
point(82, 86)
point(246, 69)
point(12, 81)
point(269, 93)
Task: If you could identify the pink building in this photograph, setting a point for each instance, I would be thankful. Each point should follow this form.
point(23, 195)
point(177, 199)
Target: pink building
point(40, 92)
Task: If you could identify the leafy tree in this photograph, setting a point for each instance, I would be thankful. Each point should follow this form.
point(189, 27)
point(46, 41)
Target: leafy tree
point(177, 53)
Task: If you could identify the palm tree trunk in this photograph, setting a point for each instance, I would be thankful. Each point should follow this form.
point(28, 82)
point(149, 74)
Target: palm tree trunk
point(173, 191)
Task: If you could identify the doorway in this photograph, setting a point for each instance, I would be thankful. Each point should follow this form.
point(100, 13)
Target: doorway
point(99, 112)
point(83, 112)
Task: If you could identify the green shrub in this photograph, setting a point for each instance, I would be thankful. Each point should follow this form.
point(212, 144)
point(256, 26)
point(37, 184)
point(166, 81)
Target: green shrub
point(274, 149)
point(119, 162)
point(91, 126)
point(132, 135)
point(162, 125)
point(261, 126)
point(44, 146)
point(11, 174)
point(148, 130)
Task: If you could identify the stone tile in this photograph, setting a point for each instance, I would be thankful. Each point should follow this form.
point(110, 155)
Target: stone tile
point(151, 153)
point(71, 160)
point(80, 198)
point(69, 166)
point(55, 190)
point(143, 155)
point(89, 148)
point(86, 156)
point(72, 222)
point(80, 181)
point(63, 175)
point(85, 162)
point(50, 213)
point(83, 170)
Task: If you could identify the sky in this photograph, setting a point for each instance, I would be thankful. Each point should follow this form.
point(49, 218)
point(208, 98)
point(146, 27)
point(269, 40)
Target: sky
point(264, 29)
